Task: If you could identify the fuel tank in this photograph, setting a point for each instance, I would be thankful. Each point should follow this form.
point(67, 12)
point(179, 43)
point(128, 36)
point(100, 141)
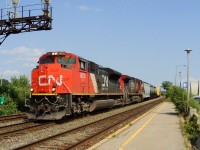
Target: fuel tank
point(101, 104)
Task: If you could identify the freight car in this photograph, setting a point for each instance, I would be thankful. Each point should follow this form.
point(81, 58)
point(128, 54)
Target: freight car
point(64, 84)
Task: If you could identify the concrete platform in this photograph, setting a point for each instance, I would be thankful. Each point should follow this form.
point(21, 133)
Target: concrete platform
point(158, 129)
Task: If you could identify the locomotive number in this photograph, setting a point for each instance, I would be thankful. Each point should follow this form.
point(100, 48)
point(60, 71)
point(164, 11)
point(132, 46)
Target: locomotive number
point(49, 78)
point(105, 82)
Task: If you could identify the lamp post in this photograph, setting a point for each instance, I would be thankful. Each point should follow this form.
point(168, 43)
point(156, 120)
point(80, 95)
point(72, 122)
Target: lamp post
point(180, 78)
point(175, 83)
point(188, 70)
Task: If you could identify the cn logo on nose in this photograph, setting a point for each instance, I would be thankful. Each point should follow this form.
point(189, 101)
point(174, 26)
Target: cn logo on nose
point(49, 78)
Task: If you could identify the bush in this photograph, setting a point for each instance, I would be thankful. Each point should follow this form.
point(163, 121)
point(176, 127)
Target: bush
point(194, 104)
point(179, 97)
point(191, 128)
point(8, 108)
point(15, 93)
point(19, 90)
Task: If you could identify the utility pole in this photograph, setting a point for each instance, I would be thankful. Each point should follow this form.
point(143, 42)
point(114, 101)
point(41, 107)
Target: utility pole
point(188, 73)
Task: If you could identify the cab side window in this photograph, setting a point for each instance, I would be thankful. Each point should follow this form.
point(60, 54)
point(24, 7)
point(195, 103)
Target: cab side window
point(82, 65)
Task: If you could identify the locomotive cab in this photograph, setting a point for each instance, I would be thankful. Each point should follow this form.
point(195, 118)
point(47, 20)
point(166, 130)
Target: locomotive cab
point(51, 86)
point(60, 86)
point(53, 68)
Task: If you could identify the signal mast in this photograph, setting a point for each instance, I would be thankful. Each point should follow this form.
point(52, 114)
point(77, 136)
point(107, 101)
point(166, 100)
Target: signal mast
point(15, 19)
point(12, 4)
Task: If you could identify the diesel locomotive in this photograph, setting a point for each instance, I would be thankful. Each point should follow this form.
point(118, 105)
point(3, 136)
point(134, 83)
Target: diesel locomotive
point(63, 84)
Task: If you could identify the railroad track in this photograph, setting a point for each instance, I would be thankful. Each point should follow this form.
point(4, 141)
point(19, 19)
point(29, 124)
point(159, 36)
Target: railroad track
point(15, 127)
point(22, 128)
point(85, 136)
point(10, 118)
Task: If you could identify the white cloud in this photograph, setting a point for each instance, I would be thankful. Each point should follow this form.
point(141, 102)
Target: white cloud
point(19, 61)
point(88, 8)
point(84, 8)
point(28, 65)
point(22, 54)
point(10, 73)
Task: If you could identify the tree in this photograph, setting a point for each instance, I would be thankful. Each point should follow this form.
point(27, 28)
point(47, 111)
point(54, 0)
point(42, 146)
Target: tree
point(9, 107)
point(19, 90)
point(178, 96)
point(4, 88)
point(166, 85)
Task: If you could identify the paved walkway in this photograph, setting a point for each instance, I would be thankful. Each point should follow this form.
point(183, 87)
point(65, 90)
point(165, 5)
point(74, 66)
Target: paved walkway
point(159, 129)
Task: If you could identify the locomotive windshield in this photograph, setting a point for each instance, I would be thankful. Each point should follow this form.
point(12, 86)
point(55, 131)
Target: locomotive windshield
point(47, 61)
point(66, 61)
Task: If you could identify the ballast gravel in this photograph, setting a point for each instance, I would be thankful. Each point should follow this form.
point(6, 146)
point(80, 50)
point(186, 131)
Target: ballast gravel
point(17, 141)
point(3, 124)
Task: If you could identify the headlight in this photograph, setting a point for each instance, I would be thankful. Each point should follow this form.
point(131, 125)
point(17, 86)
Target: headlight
point(31, 89)
point(53, 89)
point(54, 53)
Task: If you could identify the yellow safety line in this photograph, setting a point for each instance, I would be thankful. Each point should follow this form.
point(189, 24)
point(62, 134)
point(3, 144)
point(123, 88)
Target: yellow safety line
point(140, 129)
point(123, 128)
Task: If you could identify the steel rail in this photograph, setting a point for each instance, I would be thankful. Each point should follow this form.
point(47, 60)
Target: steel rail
point(12, 117)
point(134, 113)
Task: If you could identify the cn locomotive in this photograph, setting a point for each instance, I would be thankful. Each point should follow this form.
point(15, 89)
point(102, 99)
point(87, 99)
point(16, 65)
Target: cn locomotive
point(63, 84)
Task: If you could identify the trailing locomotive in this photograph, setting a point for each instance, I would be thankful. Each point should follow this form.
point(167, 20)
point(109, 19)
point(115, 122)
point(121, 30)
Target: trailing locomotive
point(64, 84)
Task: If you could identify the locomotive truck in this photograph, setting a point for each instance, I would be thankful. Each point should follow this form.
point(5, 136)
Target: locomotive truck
point(63, 84)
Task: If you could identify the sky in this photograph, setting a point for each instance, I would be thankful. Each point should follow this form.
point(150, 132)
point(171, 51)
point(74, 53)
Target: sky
point(145, 39)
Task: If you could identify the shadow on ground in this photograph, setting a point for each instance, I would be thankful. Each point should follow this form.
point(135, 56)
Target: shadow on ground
point(170, 113)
